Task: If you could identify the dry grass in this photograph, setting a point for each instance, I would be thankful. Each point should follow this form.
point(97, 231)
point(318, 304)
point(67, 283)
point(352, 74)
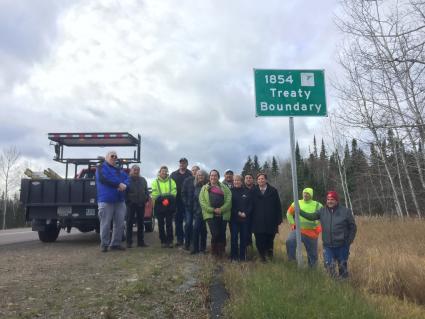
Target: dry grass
point(388, 257)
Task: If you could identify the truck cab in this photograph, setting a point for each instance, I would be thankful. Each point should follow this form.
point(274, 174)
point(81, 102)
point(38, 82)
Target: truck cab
point(52, 204)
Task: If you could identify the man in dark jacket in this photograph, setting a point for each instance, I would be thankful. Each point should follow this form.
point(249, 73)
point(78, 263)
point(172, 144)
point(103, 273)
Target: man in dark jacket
point(266, 215)
point(338, 233)
point(179, 176)
point(111, 183)
point(228, 178)
point(249, 184)
point(239, 219)
point(188, 189)
point(137, 196)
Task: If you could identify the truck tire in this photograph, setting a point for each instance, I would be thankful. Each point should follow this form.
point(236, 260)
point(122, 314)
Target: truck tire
point(50, 234)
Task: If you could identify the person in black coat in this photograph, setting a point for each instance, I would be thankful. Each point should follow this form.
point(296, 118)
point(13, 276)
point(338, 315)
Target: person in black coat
point(239, 220)
point(266, 215)
point(249, 184)
point(188, 189)
point(199, 234)
point(137, 196)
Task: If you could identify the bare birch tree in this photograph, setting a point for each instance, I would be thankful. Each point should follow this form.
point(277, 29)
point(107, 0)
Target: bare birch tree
point(384, 63)
point(8, 161)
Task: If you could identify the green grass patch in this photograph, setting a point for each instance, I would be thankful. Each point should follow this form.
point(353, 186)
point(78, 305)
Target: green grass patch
point(136, 289)
point(281, 290)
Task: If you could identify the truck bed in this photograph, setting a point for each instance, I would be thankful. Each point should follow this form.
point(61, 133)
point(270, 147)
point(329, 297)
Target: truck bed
point(58, 199)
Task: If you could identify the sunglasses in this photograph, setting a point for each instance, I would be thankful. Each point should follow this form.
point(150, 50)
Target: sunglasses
point(114, 156)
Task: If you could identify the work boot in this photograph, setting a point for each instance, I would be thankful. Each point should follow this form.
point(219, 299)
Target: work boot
point(213, 249)
point(222, 250)
point(270, 254)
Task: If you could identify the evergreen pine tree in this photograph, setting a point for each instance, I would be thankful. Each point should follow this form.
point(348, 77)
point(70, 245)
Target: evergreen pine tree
point(266, 168)
point(248, 166)
point(300, 165)
point(256, 168)
point(275, 167)
point(323, 155)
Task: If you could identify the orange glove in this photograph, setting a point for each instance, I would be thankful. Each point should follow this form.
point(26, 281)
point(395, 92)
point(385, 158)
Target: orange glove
point(165, 202)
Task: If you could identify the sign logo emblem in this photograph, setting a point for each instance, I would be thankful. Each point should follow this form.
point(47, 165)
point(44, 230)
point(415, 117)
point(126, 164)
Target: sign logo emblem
point(307, 79)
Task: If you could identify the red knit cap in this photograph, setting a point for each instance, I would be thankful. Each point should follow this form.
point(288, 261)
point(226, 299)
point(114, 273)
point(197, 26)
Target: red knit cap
point(333, 195)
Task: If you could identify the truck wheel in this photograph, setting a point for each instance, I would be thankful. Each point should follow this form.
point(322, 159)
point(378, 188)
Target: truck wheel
point(50, 234)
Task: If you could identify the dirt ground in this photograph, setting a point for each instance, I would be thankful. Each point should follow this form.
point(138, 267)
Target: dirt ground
point(71, 278)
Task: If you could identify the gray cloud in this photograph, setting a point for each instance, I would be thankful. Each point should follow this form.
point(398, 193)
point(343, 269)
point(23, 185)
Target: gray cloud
point(28, 30)
point(182, 76)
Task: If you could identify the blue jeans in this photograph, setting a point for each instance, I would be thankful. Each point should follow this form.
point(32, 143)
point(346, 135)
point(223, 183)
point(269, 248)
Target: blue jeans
point(178, 219)
point(239, 235)
point(188, 227)
point(310, 245)
point(199, 234)
point(333, 256)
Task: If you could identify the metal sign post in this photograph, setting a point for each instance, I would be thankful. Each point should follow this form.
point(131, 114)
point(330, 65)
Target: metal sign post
point(295, 193)
point(291, 93)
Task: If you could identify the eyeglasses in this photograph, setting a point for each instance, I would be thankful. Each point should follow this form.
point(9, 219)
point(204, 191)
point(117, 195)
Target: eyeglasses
point(114, 156)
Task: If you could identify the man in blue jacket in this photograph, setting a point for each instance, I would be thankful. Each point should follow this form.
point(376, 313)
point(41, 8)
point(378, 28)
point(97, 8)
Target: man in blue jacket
point(111, 184)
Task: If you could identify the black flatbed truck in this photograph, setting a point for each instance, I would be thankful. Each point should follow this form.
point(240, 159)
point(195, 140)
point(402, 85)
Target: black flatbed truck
point(55, 204)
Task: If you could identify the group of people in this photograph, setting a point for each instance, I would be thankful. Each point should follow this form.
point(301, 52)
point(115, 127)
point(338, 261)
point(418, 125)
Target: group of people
point(201, 199)
point(195, 199)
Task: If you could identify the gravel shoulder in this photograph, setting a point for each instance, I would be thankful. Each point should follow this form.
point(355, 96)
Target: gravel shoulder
point(71, 278)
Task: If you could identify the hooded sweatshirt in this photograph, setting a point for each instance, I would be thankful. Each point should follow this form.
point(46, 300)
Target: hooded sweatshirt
point(309, 228)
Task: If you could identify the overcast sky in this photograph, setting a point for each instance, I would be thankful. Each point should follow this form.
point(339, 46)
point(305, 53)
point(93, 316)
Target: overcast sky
point(180, 73)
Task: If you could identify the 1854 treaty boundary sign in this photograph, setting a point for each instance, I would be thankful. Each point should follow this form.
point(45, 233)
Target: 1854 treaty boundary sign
point(290, 92)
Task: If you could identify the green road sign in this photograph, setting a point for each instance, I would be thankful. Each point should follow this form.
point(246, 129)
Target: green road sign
point(290, 92)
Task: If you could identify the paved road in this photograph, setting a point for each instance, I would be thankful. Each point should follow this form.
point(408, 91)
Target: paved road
point(22, 235)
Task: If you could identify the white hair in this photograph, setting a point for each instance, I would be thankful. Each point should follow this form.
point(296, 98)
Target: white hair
point(110, 153)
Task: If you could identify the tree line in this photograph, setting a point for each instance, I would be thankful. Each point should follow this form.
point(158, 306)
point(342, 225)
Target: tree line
point(358, 175)
point(382, 95)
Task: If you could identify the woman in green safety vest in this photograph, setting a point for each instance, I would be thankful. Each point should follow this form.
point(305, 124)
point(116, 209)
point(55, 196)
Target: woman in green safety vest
point(164, 193)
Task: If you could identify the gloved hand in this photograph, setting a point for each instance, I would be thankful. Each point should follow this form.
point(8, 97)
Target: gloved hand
point(165, 202)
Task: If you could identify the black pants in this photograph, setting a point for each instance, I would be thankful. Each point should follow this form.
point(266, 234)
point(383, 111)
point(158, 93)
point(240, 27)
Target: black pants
point(218, 230)
point(249, 233)
point(199, 234)
point(165, 226)
point(264, 244)
point(135, 214)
